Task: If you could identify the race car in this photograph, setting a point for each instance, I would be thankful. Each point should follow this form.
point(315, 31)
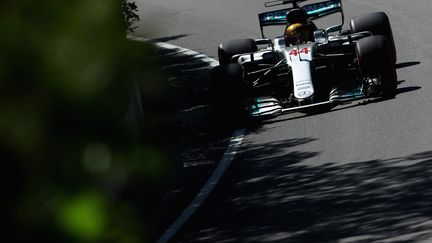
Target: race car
point(307, 66)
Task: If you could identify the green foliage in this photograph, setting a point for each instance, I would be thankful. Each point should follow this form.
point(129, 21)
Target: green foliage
point(84, 216)
point(67, 73)
point(130, 15)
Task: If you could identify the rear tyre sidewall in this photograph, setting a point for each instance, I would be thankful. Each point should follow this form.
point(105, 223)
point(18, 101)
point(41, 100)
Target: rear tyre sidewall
point(379, 24)
point(228, 49)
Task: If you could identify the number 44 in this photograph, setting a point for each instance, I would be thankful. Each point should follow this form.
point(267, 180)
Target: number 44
point(296, 52)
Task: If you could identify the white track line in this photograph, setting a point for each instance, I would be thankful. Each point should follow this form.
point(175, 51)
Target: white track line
point(180, 50)
point(208, 187)
point(223, 165)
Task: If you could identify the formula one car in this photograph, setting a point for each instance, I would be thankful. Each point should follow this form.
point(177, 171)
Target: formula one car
point(307, 66)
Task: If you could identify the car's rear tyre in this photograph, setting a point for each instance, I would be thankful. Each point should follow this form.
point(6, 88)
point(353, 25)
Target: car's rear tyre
point(228, 49)
point(378, 23)
point(375, 61)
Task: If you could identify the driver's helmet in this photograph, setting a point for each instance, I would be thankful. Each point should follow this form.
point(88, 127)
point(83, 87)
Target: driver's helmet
point(296, 33)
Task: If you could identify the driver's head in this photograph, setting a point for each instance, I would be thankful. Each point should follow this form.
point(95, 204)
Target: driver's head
point(298, 27)
point(296, 33)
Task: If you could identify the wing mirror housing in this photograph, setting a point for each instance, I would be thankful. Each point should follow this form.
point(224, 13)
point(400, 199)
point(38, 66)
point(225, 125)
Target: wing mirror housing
point(320, 36)
point(263, 41)
point(268, 42)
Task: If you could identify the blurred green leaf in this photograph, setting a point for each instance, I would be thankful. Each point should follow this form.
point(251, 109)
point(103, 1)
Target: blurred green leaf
point(84, 216)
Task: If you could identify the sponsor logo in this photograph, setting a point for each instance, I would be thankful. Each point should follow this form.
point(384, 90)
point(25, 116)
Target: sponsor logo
point(304, 93)
point(303, 84)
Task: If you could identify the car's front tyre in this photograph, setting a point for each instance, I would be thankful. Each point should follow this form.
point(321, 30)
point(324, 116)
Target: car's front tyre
point(228, 89)
point(374, 56)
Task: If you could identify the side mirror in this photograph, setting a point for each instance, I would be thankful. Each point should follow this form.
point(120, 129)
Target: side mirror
point(320, 36)
point(263, 41)
point(268, 42)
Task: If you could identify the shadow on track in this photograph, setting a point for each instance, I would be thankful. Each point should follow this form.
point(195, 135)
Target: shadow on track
point(406, 64)
point(169, 38)
point(197, 138)
point(272, 198)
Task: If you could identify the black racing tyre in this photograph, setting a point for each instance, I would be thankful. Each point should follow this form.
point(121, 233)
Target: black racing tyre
point(378, 23)
point(228, 76)
point(228, 49)
point(375, 60)
point(228, 87)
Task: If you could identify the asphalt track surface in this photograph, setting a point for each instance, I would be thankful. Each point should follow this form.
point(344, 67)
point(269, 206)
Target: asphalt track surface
point(359, 173)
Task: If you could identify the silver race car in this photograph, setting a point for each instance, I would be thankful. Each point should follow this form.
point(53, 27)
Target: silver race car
point(306, 66)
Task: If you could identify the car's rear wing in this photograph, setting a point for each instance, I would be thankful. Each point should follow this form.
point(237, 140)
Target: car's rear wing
point(313, 10)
